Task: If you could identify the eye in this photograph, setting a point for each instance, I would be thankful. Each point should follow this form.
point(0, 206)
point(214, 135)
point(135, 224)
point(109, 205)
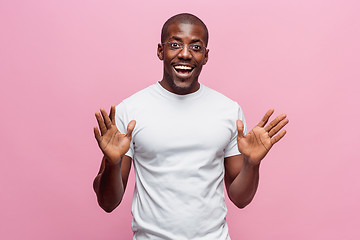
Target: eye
point(174, 45)
point(196, 47)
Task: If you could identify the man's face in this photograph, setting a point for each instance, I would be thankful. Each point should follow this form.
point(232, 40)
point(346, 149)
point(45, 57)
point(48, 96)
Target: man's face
point(182, 67)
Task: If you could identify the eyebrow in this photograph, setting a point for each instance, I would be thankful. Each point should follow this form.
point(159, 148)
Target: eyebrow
point(180, 39)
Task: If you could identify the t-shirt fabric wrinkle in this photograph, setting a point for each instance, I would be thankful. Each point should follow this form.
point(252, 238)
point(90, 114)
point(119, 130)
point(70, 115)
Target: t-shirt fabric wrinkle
point(178, 148)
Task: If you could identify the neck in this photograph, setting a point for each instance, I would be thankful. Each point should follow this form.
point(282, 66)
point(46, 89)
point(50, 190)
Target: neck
point(170, 84)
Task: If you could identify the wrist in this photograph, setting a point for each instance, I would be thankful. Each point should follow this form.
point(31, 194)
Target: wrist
point(249, 163)
point(112, 163)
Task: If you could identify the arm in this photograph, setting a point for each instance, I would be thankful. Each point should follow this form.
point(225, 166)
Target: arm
point(110, 183)
point(241, 180)
point(242, 171)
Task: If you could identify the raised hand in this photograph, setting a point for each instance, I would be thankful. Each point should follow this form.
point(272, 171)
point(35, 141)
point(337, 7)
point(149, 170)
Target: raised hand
point(112, 143)
point(257, 143)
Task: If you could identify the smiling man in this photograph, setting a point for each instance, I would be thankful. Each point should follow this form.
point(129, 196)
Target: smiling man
point(183, 51)
point(185, 141)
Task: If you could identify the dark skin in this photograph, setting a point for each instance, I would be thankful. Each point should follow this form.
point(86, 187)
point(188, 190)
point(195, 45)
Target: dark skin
point(174, 81)
point(110, 183)
point(241, 171)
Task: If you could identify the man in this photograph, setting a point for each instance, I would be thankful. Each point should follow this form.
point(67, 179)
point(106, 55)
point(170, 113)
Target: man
point(186, 142)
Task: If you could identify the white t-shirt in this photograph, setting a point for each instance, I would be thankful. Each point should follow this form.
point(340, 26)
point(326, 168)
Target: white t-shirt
point(178, 149)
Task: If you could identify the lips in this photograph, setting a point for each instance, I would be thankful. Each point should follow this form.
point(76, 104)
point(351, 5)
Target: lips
point(183, 70)
point(183, 67)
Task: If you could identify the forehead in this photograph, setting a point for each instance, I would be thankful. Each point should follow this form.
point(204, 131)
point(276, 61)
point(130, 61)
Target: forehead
point(186, 31)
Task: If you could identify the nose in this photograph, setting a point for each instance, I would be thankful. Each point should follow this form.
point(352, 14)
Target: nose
point(185, 53)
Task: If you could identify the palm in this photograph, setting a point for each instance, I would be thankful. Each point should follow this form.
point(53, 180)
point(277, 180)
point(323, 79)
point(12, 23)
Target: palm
point(112, 142)
point(257, 143)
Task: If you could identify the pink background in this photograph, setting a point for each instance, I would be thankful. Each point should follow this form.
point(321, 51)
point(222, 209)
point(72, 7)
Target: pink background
point(60, 61)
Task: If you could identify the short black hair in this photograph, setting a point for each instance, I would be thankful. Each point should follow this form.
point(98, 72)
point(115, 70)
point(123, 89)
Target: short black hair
point(183, 18)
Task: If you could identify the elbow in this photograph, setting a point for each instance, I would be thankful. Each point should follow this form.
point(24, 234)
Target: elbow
point(106, 202)
point(241, 205)
point(108, 206)
point(241, 202)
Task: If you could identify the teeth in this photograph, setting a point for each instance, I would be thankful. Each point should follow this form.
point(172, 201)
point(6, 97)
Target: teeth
point(181, 67)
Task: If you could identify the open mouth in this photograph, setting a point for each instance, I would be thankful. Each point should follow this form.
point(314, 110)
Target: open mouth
point(183, 69)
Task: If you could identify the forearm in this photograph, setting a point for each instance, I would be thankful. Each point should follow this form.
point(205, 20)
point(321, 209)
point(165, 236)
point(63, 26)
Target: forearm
point(243, 188)
point(108, 186)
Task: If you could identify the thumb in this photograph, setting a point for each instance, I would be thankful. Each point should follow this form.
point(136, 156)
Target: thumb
point(130, 128)
point(240, 128)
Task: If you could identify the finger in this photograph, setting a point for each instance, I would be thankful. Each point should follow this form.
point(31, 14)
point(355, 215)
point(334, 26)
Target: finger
point(130, 128)
point(240, 128)
point(112, 114)
point(97, 135)
point(274, 122)
point(278, 127)
point(266, 117)
point(278, 137)
point(101, 123)
point(106, 118)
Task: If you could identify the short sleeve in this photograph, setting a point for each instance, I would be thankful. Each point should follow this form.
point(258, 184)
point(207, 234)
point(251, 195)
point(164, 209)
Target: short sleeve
point(122, 120)
point(232, 148)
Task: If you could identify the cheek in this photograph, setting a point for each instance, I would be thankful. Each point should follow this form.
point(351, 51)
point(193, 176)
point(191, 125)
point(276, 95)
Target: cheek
point(200, 60)
point(169, 56)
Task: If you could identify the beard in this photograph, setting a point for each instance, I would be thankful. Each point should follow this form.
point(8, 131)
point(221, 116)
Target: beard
point(181, 90)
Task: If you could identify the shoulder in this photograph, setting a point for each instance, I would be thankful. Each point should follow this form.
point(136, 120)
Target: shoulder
point(219, 98)
point(224, 105)
point(139, 98)
point(141, 95)
point(140, 102)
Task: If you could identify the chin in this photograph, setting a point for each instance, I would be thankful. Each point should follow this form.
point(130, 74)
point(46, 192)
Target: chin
point(180, 85)
point(184, 86)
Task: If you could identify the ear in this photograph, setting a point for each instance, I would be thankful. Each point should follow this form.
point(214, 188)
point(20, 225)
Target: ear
point(160, 51)
point(206, 56)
